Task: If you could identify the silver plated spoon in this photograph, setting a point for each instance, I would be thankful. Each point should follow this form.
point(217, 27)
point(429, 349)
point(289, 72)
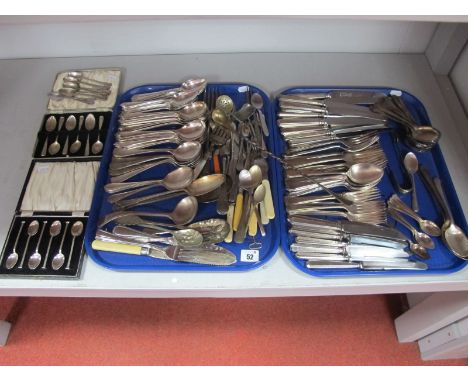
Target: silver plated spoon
point(13, 257)
point(36, 257)
point(54, 230)
point(59, 258)
point(76, 230)
point(76, 145)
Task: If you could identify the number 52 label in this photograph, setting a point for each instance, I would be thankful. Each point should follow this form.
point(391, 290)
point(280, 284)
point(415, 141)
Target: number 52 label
point(249, 255)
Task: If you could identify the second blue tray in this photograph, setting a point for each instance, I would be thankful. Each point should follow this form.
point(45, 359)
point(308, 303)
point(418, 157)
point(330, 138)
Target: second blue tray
point(442, 261)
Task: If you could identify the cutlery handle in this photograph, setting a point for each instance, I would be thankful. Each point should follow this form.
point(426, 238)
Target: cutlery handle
point(229, 219)
point(99, 245)
point(44, 148)
point(252, 223)
point(238, 211)
point(263, 214)
point(269, 205)
point(65, 147)
point(414, 196)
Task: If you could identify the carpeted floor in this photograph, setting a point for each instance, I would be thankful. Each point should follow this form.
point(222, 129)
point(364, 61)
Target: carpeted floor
point(346, 330)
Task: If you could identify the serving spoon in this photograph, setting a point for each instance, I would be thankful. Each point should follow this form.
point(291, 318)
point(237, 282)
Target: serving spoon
point(198, 187)
point(177, 179)
point(183, 213)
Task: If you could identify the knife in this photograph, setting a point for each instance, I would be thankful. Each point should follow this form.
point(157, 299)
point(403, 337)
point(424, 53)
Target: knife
point(366, 265)
point(207, 256)
point(345, 96)
point(351, 250)
point(352, 228)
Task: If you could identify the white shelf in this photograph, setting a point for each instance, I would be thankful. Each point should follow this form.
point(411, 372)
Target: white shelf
point(23, 105)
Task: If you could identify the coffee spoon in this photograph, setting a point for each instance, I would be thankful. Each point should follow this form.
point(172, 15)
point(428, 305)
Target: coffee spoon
point(411, 165)
point(76, 230)
point(54, 148)
point(13, 257)
point(54, 230)
point(420, 237)
point(76, 145)
point(70, 125)
point(32, 230)
point(96, 148)
point(59, 258)
point(90, 123)
point(36, 257)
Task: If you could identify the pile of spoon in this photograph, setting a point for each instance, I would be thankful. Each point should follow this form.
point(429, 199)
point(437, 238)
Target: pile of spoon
point(421, 138)
point(82, 88)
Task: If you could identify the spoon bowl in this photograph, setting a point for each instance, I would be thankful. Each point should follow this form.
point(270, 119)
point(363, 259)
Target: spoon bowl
point(194, 110)
point(51, 124)
point(364, 173)
point(225, 103)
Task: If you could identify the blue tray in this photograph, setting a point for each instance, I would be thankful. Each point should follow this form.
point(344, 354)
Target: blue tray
point(101, 207)
point(442, 261)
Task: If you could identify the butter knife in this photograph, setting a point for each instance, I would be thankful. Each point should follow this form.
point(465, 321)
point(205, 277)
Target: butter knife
point(208, 256)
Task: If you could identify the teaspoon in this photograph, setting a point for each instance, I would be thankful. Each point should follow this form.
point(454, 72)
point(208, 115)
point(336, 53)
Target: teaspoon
point(257, 102)
point(32, 230)
point(54, 230)
point(13, 257)
point(54, 148)
point(75, 147)
point(411, 165)
point(70, 125)
point(36, 257)
point(59, 258)
point(76, 230)
point(420, 237)
point(96, 148)
point(90, 123)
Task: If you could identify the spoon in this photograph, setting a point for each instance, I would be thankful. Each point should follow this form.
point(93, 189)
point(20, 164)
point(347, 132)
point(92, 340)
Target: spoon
point(32, 230)
point(200, 186)
point(248, 181)
point(75, 147)
point(420, 237)
point(13, 256)
point(213, 230)
point(183, 213)
point(452, 235)
point(419, 251)
point(185, 152)
point(54, 230)
point(59, 258)
point(191, 131)
point(258, 196)
point(80, 76)
point(83, 89)
point(411, 165)
point(51, 124)
point(70, 125)
point(219, 117)
point(96, 148)
point(426, 226)
point(225, 104)
point(156, 138)
point(90, 123)
point(257, 102)
point(244, 113)
point(183, 237)
point(177, 179)
point(54, 148)
point(76, 230)
point(36, 257)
